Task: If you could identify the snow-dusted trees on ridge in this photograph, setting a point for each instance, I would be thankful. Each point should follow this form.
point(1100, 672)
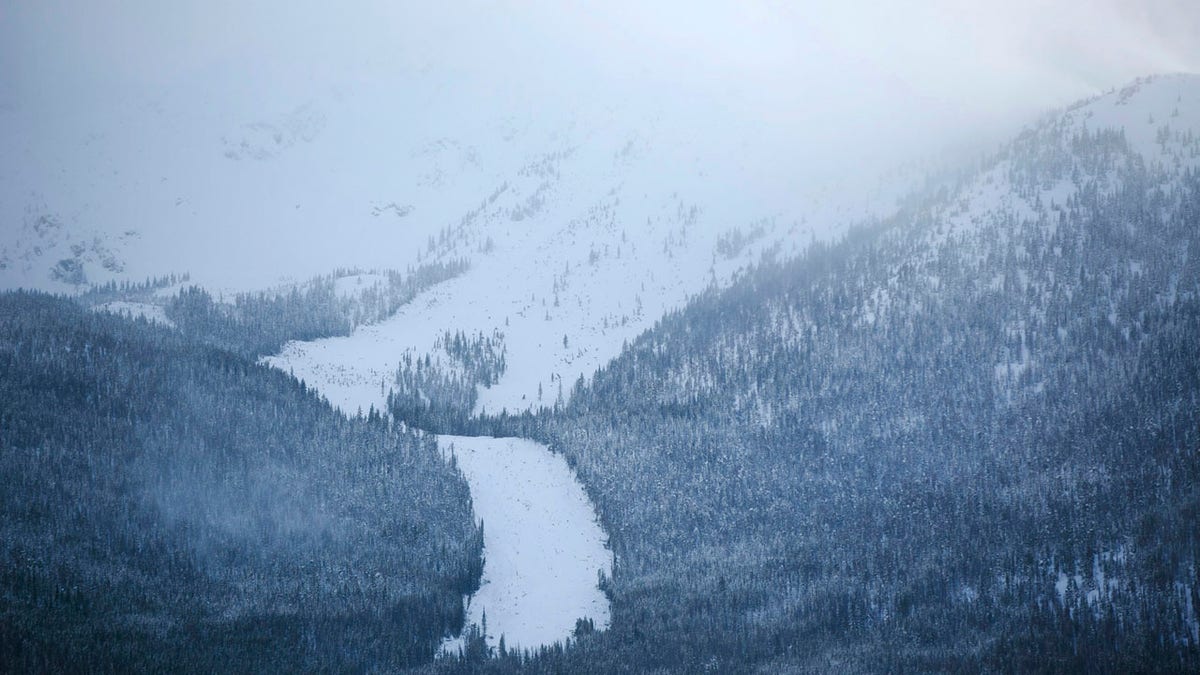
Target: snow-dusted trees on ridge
point(255, 324)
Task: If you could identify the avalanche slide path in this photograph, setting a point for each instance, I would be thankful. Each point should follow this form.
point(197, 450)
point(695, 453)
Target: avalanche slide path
point(543, 544)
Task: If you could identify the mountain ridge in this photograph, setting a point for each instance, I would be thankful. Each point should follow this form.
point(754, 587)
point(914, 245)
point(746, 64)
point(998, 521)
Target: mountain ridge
point(938, 444)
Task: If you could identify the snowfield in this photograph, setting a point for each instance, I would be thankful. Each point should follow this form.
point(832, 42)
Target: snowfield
point(543, 546)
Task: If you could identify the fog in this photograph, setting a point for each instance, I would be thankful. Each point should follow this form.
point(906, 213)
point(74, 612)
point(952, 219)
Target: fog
point(907, 67)
point(800, 93)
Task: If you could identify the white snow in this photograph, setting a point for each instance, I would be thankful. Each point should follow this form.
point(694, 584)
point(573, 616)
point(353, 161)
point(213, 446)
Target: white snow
point(350, 372)
point(543, 546)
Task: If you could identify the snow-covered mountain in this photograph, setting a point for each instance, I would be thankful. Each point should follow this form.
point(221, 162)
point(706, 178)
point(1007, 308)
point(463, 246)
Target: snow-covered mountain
point(965, 435)
point(566, 298)
point(582, 226)
point(1158, 117)
point(1082, 220)
point(582, 223)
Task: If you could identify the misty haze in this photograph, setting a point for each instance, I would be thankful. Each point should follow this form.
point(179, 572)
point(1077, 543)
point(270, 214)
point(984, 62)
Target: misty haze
point(600, 337)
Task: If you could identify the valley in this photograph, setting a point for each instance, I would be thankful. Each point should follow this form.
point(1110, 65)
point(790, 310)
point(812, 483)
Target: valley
point(504, 338)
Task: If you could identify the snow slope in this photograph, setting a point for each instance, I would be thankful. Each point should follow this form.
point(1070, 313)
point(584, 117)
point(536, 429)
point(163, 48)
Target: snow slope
point(543, 548)
point(1019, 198)
point(586, 220)
point(1156, 115)
point(595, 267)
point(571, 257)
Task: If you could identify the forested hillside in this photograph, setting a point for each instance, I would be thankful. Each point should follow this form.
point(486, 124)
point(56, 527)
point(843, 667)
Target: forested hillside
point(258, 324)
point(964, 438)
point(434, 396)
point(171, 506)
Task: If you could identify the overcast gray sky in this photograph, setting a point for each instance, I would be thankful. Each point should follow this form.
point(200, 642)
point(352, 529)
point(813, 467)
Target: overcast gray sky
point(909, 67)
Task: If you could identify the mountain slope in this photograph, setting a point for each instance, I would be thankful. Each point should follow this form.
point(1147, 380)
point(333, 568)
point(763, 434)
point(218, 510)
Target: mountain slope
point(171, 506)
point(586, 221)
point(964, 438)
